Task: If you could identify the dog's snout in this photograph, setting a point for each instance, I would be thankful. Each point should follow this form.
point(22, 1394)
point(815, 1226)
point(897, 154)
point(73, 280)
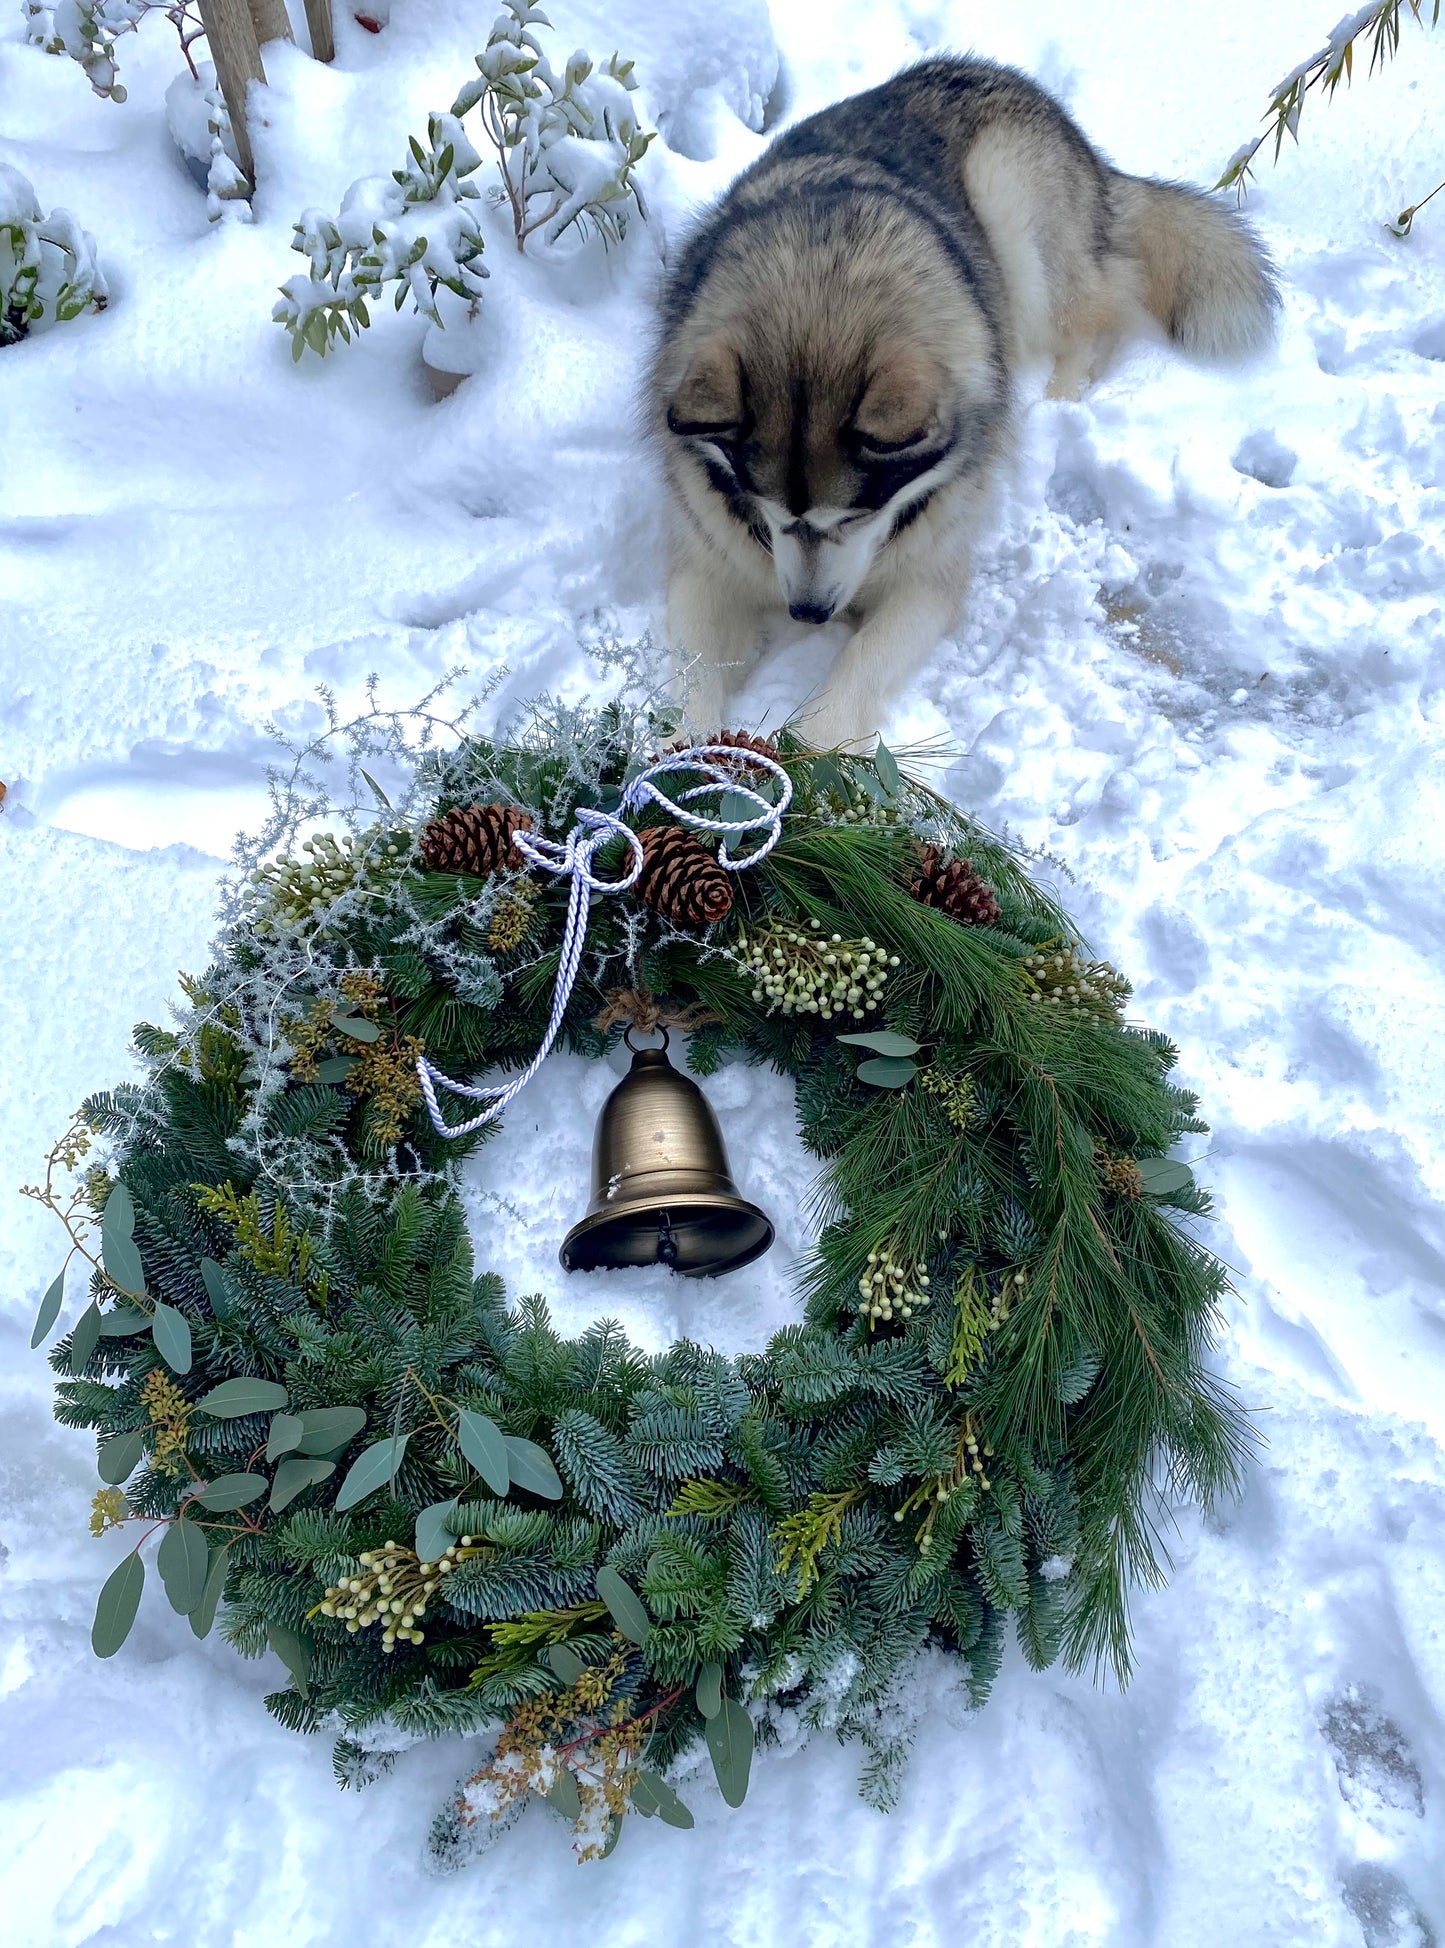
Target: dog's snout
point(810, 611)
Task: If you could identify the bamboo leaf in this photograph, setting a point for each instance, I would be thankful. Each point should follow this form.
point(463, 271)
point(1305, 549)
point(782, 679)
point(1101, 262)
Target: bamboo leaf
point(49, 1311)
point(116, 1606)
point(172, 1335)
point(530, 1467)
point(246, 1395)
point(730, 1746)
point(372, 1469)
point(117, 1457)
point(481, 1441)
point(625, 1604)
point(184, 1562)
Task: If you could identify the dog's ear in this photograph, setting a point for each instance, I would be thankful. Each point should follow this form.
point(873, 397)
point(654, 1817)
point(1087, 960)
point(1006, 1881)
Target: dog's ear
point(899, 405)
point(709, 398)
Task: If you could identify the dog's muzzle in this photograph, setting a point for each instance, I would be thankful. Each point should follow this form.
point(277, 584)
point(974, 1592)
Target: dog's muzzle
point(810, 611)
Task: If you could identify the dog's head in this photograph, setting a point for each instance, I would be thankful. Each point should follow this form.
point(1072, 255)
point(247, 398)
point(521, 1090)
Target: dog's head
point(826, 434)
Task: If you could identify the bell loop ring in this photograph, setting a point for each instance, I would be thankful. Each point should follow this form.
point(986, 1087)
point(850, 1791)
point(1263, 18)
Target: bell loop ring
point(630, 1029)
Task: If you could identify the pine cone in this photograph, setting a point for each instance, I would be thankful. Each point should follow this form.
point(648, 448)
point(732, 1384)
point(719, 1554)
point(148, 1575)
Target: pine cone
point(680, 879)
point(742, 741)
point(476, 839)
point(955, 888)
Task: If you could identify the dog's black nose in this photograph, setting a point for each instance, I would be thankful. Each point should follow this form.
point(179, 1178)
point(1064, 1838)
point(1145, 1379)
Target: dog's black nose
point(810, 611)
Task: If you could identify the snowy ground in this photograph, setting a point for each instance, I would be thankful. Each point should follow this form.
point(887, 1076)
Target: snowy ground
point(1201, 669)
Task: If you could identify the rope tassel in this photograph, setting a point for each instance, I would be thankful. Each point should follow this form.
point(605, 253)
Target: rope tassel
point(572, 857)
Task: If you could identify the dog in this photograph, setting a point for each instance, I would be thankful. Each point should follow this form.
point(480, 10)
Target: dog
point(834, 375)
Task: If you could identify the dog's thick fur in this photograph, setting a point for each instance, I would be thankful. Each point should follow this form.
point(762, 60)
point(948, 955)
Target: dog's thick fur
point(834, 372)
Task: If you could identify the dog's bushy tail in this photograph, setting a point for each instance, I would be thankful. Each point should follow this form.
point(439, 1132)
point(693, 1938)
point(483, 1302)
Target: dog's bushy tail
point(1206, 277)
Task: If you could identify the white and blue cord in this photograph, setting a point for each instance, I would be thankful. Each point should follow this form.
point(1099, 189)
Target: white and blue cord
point(573, 858)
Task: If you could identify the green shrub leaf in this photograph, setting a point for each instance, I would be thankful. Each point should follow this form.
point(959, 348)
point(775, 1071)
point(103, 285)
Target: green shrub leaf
point(530, 1467)
point(117, 1246)
point(294, 1475)
point(652, 1794)
point(709, 1690)
point(887, 1072)
point(565, 1662)
point(49, 1311)
point(84, 1337)
point(232, 1491)
point(220, 1288)
point(324, 1429)
point(433, 1535)
point(625, 1604)
point(286, 1431)
point(204, 1614)
point(481, 1441)
point(232, 1398)
point(120, 1321)
point(117, 1457)
point(883, 1041)
point(730, 1746)
point(172, 1336)
point(371, 1469)
point(564, 1795)
point(294, 1653)
point(183, 1560)
point(1164, 1175)
point(357, 1029)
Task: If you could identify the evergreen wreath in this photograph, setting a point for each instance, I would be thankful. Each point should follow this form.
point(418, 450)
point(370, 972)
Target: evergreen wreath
point(442, 1516)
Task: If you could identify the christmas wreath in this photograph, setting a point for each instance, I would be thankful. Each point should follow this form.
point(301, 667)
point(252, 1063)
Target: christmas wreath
point(442, 1516)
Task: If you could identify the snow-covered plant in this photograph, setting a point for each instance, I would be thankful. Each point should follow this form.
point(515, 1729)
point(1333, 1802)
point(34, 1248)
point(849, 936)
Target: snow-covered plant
point(48, 271)
point(1379, 22)
point(87, 31)
point(415, 229)
point(567, 146)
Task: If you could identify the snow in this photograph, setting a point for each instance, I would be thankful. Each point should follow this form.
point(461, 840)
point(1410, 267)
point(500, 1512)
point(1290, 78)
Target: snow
point(1200, 670)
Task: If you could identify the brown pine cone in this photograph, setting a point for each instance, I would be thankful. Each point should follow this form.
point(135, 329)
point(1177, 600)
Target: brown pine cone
point(680, 879)
point(955, 888)
point(476, 839)
point(742, 741)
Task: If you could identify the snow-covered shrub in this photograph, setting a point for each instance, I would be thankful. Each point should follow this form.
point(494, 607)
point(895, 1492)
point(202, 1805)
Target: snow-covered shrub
point(200, 126)
point(567, 146)
point(87, 31)
point(48, 271)
point(415, 228)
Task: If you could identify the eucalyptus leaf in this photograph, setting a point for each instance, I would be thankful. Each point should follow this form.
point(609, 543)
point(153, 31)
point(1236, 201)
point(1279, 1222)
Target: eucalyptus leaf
point(117, 1457)
point(372, 1469)
point(886, 765)
point(172, 1336)
point(324, 1429)
point(614, 1834)
point(294, 1653)
point(887, 1072)
point(625, 1604)
point(1163, 1175)
point(119, 1321)
point(357, 1029)
point(883, 1041)
point(117, 1245)
point(530, 1467)
point(294, 1475)
point(730, 1746)
point(734, 809)
point(220, 1288)
point(84, 1337)
point(116, 1606)
point(231, 1491)
point(828, 776)
point(286, 1430)
point(433, 1535)
point(565, 1662)
point(652, 1794)
point(709, 1690)
point(246, 1395)
point(564, 1795)
point(204, 1614)
point(482, 1442)
point(49, 1311)
point(336, 1069)
point(184, 1561)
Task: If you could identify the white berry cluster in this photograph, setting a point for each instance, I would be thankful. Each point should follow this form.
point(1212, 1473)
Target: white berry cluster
point(1065, 982)
point(804, 971)
point(394, 1592)
point(291, 891)
point(892, 1288)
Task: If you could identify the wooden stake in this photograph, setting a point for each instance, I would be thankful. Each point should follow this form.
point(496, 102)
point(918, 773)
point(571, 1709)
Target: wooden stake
point(323, 35)
point(231, 37)
point(271, 21)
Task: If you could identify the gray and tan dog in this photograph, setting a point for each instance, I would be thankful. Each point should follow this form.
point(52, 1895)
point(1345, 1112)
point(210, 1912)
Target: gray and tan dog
point(834, 373)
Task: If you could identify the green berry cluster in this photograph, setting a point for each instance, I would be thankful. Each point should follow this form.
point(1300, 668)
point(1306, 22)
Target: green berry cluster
point(394, 1591)
point(291, 892)
point(955, 1093)
point(1065, 982)
point(803, 971)
point(892, 1288)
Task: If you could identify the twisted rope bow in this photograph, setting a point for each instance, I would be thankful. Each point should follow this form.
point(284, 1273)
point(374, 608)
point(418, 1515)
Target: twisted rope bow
point(572, 858)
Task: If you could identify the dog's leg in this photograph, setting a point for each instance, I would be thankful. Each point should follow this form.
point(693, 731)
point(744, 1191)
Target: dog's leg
point(895, 640)
point(714, 633)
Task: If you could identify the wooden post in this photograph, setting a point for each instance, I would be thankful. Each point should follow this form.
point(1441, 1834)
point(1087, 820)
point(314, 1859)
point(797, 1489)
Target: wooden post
point(271, 21)
point(323, 35)
point(231, 37)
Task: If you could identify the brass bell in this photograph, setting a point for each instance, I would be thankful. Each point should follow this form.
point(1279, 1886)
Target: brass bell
point(662, 1193)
